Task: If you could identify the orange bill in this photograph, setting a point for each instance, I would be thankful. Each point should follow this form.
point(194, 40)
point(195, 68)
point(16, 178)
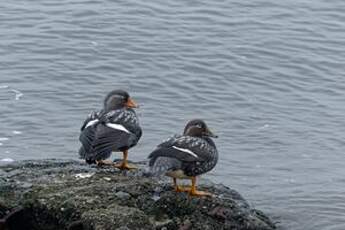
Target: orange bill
point(131, 103)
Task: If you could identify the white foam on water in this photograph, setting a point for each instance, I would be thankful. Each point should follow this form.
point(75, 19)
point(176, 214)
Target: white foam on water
point(15, 132)
point(4, 138)
point(266, 126)
point(18, 94)
point(7, 160)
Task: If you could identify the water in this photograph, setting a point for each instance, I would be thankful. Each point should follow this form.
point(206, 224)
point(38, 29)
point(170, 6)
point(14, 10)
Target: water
point(267, 76)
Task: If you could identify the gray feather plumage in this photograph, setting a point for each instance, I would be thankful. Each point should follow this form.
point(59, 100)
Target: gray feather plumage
point(98, 140)
point(164, 164)
point(193, 155)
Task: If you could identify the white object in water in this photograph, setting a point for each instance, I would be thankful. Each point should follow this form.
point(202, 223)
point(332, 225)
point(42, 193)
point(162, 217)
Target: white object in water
point(18, 93)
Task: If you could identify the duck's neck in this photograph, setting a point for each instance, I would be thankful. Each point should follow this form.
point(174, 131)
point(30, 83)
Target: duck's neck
point(108, 108)
point(193, 132)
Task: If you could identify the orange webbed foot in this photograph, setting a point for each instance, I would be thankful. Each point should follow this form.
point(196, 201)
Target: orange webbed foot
point(200, 193)
point(125, 166)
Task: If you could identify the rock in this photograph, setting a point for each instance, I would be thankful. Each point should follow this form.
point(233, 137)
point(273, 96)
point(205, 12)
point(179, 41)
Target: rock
point(58, 194)
point(122, 195)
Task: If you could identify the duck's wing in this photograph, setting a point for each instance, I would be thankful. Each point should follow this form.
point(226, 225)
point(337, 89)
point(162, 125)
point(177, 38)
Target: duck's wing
point(182, 148)
point(91, 119)
point(127, 118)
point(87, 135)
point(114, 133)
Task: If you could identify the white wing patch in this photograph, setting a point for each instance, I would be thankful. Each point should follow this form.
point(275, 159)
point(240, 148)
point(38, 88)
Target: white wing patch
point(90, 123)
point(186, 151)
point(117, 126)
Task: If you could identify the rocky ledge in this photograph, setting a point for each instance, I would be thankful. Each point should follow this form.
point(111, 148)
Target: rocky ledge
point(56, 194)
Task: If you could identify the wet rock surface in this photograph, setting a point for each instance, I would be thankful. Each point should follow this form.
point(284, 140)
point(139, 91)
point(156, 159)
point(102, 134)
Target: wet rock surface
point(56, 194)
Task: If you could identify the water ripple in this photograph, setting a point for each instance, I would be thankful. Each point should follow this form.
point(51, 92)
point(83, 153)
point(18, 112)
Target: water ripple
point(268, 76)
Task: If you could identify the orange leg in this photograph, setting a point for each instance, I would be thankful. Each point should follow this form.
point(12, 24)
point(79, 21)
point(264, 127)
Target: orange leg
point(194, 192)
point(179, 188)
point(124, 164)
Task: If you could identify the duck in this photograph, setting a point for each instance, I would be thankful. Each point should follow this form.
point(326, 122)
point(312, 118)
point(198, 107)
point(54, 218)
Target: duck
point(115, 128)
point(186, 156)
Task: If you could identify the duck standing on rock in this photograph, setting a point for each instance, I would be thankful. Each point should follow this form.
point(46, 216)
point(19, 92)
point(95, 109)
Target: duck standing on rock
point(115, 128)
point(186, 156)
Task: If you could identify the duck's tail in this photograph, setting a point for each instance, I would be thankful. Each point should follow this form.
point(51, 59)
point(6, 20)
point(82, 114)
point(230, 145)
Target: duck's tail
point(162, 165)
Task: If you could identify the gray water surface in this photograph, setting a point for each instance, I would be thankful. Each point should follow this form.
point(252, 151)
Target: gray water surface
point(266, 75)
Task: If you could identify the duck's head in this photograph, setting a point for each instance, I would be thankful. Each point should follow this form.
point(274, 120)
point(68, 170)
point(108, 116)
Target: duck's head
point(117, 99)
point(198, 128)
